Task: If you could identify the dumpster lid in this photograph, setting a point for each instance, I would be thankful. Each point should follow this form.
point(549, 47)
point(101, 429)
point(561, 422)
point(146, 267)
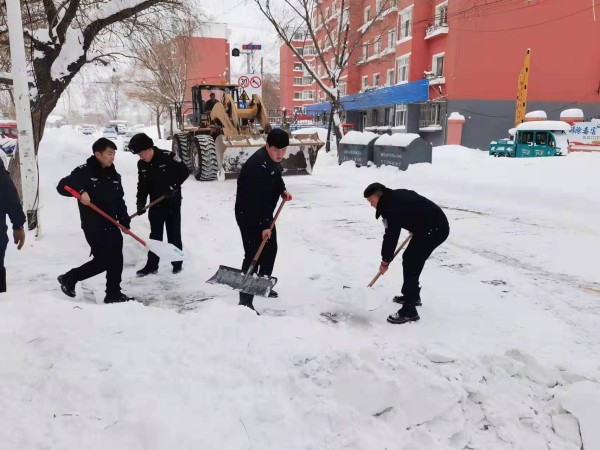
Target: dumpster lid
point(358, 138)
point(397, 140)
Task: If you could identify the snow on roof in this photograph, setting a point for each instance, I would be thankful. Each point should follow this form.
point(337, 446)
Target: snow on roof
point(358, 138)
point(547, 125)
point(537, 115)
point(397, 140)
point(575, 112)
point(456, 116)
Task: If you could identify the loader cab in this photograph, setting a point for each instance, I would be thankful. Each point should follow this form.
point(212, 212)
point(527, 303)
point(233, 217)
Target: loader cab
point(204, 97)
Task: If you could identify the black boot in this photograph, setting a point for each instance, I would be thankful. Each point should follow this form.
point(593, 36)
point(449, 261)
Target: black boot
point(401, 299)
point(177, 267)
point(246, 300)
point(67, 285)
point(117, 297)
point(146, 271)
point(2, 279)
point(273, 294)
point(408, 313)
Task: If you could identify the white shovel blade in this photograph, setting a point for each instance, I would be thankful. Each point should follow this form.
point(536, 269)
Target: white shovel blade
point(165, 251)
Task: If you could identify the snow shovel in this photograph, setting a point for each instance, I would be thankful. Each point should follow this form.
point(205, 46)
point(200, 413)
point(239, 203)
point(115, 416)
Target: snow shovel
point(148, 206)
point(243, 282)
point(395, 254)
point(163, 250)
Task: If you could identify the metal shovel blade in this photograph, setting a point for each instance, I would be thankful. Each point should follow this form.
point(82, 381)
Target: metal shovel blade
point(234, 278)
point(165, 251)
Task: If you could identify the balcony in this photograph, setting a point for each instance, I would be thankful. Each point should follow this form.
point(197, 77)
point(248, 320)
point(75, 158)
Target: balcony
point(436, 30)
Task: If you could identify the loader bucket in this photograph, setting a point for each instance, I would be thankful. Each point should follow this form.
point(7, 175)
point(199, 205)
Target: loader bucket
point(234, 151)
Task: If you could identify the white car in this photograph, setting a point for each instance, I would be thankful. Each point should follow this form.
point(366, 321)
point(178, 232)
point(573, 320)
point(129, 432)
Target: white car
point(109, 133)
point(128, 135)
point(87, 129)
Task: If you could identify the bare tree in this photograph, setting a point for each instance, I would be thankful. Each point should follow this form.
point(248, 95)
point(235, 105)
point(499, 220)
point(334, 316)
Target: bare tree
point(110, 94)
point(162, 59)
point(341, 39)
point(271, 90)
point(62, 37)
point(153, 101)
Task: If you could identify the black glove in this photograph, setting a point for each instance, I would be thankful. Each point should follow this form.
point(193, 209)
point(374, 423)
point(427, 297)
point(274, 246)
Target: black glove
point(140, 209)
point(126, 224)
point(171, 190)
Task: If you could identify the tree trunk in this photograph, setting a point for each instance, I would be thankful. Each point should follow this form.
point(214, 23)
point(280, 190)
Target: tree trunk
point(158, 122)
point(328, 144)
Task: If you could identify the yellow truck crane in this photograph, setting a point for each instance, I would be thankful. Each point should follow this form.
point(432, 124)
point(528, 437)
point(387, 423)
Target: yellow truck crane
point(225, 128)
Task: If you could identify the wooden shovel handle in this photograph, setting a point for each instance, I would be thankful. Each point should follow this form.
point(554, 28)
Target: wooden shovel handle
point(264, 241)
point(395, 254)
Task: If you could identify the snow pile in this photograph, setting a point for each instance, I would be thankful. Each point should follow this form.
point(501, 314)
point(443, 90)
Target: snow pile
point(456, 116)
point(572, 113)
point(397, 140)
point(547, 125)
point(358, 138)
point(537, 115)
point(582, 400)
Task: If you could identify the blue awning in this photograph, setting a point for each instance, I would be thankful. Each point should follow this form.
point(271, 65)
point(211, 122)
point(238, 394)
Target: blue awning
point(417, 91)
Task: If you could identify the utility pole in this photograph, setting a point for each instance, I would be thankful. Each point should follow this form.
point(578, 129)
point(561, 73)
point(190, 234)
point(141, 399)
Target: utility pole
point(25, 143)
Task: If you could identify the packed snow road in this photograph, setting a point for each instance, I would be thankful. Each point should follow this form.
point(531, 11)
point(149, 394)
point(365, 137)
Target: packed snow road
point(505, 355)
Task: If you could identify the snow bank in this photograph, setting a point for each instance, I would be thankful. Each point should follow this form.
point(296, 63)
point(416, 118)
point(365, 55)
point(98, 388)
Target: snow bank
point(398, 139)
point(536, 115)
point(583, 401)
point(358, 138)
point(547, 125)
point(575, 112)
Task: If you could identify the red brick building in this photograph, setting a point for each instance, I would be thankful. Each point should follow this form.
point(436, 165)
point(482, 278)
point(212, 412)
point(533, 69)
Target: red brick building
point(471, 51)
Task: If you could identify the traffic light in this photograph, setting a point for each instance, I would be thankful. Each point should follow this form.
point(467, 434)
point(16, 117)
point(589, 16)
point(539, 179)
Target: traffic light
point(235, 52)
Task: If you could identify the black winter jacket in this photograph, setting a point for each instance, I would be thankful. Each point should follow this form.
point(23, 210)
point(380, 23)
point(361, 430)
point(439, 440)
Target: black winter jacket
point(104, 187)
point(155, 178)
point(10, 205)
point(259, 186)
point(406, 209)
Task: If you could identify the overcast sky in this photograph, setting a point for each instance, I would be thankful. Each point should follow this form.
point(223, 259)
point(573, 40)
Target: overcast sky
point(247, 24)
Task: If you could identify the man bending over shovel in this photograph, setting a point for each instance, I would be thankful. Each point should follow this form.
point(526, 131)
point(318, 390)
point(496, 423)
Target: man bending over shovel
point(259, 187)
point(402, 208)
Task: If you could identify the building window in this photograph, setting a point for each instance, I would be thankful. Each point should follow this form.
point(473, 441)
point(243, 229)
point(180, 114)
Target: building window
point(332, 63)
point(343, 89)
point(365, 55)
point(377, 48)
point(378, 7)
point(390, 77)
point(297, 95)
point(326, 12)
point(432, 114)
point(309, 50)
point(401, 112)
point(437, 65)
point(367, 14)
point(376, 79)
point(297, 66)
point(392, 38)
point(307, 81)
point(307, 95)
point(333, 8)
point(441, 14)
point(364, 82)
point(403, 68)
point(406, 23)
point(297, 81)
point(300, 50)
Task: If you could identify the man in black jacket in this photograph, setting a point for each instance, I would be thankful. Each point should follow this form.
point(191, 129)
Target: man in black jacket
point(10, 206)
point(428, 224)
point(99, 183)
point(160, 172)
point(259, 186)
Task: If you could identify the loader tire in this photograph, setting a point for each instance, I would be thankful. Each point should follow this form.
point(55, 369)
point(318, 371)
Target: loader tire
point(182, 148)
point(204, 158)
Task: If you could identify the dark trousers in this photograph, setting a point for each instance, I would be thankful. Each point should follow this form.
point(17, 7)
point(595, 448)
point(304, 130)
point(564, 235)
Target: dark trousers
point(252, 238)
point(419, 249)
point(3, 244)
point(169, 218)
point(107, 251)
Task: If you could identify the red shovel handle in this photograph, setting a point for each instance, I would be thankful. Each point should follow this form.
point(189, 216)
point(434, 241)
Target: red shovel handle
point(77, 195)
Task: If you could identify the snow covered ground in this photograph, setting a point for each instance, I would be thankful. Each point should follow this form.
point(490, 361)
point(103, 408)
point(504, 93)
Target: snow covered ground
point(506, 355)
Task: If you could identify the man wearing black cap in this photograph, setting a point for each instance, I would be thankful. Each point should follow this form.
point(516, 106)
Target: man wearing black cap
point(99, 183)
point(10, 205)
point(259, 186)
point(402, 208)
point(160, 172)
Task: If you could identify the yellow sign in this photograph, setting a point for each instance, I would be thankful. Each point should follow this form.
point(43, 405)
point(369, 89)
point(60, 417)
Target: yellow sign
point(244, 96)
point(522, 89)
